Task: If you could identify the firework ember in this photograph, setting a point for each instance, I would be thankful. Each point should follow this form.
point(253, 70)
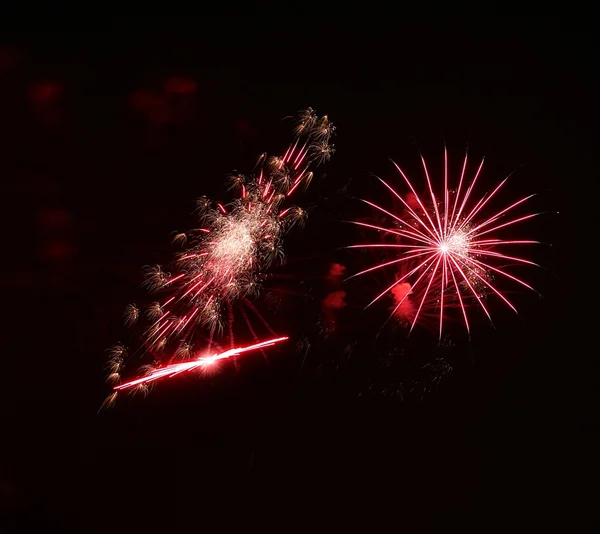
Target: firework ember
point(450, 254)
point(225, 260)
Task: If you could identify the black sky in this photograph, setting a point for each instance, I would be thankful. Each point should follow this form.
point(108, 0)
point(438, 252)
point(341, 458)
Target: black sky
point(107, 136)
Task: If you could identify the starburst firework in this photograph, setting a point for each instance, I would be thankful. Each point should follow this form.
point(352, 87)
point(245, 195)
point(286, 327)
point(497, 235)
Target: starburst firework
point(450, 253)
point(224, 262)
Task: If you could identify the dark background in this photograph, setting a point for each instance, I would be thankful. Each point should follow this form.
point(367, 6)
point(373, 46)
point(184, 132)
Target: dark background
point(108, 135)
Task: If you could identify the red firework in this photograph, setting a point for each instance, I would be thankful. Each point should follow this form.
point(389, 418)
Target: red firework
point(224, 262)
point(449, 251)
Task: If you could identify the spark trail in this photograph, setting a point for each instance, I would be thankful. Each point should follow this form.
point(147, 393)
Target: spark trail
point(449, 252)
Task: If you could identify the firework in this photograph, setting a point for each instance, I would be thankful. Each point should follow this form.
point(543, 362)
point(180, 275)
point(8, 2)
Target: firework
point(224, 262)
point(450, 254)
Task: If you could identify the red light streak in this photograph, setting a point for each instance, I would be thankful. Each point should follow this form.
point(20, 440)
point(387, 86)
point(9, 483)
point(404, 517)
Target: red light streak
point(204, 361)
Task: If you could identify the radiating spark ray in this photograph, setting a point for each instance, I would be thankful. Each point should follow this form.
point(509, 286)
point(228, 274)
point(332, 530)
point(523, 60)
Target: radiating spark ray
point(467, 194)
point(296, 165)
point(422, 236)
point(471, 288)
point(230, 324)
point(151, 327)
point(487, 242)
point(384, 245)
point(458, 191)
point(301, 153)
point(425, 295)
point(413, 287)
point(381, 266)
point(381, 229)
point(499, 271)
point(187, 321)
point(170, 281)
point(481, 204)
point(498, 215)
point(367, 225)
point(484, 281)
point(249, 325)
point(422, 264)
point(259, 315)
point(462, 306)
point(446, 197)
point(509, 223)
point(433, 199)
point(444, 282)
point(411, 211)
point(420, 202)
point(503, 257)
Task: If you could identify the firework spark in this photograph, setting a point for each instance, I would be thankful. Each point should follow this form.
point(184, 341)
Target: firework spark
point(225, 260)
point(449, 254)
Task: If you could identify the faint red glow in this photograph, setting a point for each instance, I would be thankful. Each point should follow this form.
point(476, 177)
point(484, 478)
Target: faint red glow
point(57, 249)
point(44, 97)
point(154, 107)
point(403, 306)
point(243, 128)
point(336, 271)
point(180, 86)
point(412, 201)
point(45, 92)
point(331, 305)
point(8, 59)
point(335, 300)
point(174, 102)
point(54, 219)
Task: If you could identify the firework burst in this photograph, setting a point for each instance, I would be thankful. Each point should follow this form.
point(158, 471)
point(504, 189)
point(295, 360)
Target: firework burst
point(450, 252)
point(223, 263)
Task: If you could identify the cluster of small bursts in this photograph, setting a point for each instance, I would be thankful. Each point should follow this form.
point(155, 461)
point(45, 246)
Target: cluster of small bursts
point(447, 257)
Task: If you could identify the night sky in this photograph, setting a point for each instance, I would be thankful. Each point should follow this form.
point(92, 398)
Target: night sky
point(107, 137)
